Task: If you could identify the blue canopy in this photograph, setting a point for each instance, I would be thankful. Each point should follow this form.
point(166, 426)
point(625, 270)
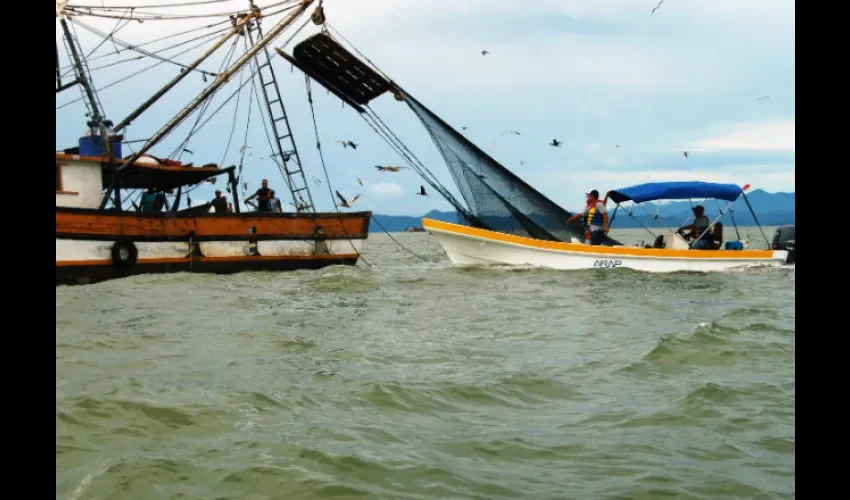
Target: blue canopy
point(676, 191)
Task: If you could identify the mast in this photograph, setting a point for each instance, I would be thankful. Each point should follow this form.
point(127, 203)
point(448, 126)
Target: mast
point(97, 115)
point(222, 78)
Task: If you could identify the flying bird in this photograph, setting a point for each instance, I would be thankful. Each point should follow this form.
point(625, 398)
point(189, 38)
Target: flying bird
point(522, 162)
point(345, 203)
point(513, 132)
point(764, 98)
point(422, 191)
point(463, 128)
point(359, 181)
point(317, 181)
point(484, 52)
point(186, 150)
point(657, 6)
point(555, 143)
point(347, 144)
point(617, 146)
point(388, 168)
point(686, 154)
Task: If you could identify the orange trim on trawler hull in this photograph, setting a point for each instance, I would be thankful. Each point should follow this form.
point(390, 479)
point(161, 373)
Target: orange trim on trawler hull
point(430, 224)
point(93, 271)
point(74, 223)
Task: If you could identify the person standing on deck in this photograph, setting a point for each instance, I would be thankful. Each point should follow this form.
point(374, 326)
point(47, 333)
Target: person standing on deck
point(597, 218)
point(275, 202)
point(146, 203)
point(152, 200)
point(219, 203)
point(263, 198)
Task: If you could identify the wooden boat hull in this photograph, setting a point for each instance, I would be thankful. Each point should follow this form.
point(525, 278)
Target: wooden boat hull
point(95, 245)
point(468, 246)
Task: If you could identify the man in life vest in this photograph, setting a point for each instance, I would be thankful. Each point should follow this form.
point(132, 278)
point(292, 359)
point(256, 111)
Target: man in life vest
point(597, 218)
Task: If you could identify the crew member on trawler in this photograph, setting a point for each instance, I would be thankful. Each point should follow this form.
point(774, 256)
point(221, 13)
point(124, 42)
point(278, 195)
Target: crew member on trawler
point(597, 218)
point(274, 201)
point(153, 200)
point(263, 197)
point(219, 203)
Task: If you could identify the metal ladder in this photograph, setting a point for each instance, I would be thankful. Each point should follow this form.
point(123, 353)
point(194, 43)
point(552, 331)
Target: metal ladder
point(286, 149)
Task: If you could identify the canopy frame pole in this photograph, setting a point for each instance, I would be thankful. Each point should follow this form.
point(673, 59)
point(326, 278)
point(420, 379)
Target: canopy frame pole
point(732, 216)
point(755, 218)
point(631, 214)
point(613, 215)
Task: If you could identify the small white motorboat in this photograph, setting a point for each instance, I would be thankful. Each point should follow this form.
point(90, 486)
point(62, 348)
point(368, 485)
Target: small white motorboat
point(670, 252)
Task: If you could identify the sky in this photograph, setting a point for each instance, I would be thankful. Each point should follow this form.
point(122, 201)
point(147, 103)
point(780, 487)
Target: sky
point(625, 90)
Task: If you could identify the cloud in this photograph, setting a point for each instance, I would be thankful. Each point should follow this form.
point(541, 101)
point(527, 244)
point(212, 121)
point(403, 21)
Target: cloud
point(593, 74)
point(385, 190)
point(771, 178)
point(764, 136)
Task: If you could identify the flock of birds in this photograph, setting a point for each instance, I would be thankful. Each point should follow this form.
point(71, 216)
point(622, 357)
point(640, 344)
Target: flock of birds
point(346, 203)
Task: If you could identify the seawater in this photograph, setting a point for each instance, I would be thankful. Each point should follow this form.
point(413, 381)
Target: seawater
point(409, 379)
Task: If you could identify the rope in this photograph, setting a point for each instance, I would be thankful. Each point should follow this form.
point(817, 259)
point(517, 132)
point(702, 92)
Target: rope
point(324, 167)
point(235, 113)
point(131, 47)
point(156, 6)
point(150, 16)
point(181, 33)
point(195, 128)
point(397, 242)
point(120, 80)
point(272, 154)
point(135, 48)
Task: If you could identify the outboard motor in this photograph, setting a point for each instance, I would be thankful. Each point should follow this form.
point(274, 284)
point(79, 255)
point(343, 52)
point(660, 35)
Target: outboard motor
point(784, 239)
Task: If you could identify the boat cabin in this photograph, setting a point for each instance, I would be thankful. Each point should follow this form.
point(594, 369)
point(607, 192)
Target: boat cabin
point(82, 180)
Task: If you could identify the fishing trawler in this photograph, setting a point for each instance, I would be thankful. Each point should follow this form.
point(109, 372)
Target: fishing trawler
point(101, 233)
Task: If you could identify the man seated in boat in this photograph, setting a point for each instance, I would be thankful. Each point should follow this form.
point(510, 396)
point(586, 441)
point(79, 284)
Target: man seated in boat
point(597, 218)
point(219, 203)
point(698, 227)
point(263, 197)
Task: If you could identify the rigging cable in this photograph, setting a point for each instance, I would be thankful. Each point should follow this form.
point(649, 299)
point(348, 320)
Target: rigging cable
point(130, 46)
point(170, 47)
point(235, 111)
point(206, 105)
point(156, 6)
point(416, 164)
point(149, 16)
point(155, 40)
point(280, 166)
point(244, 149)
point(120, 80)
point(327, 176)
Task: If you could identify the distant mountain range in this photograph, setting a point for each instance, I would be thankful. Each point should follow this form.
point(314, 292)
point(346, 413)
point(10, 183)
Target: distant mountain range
point(772, 209)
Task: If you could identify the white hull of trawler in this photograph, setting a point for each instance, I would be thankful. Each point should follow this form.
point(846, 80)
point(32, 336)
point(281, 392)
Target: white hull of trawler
point(467, 246)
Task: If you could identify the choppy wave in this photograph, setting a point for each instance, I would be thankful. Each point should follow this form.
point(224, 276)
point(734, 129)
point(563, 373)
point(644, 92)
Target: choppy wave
point(415, 380)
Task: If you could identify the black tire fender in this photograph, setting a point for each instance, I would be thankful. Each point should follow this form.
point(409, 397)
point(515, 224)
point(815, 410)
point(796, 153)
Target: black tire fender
point(124, 253)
